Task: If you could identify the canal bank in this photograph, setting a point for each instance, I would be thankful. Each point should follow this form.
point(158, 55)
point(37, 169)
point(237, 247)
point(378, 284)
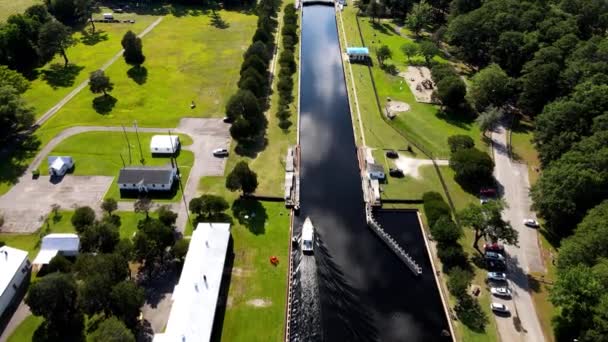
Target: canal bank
point(358, 289)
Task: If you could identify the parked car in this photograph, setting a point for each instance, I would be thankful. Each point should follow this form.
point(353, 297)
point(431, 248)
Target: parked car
point(494, 255)
point(496, 265)
point(497, 276)
point(501, 291)
point(531, 223)
point(500, 308)
point(220, 152)
point(494, 247)
point(395, 172)
point(392, 154)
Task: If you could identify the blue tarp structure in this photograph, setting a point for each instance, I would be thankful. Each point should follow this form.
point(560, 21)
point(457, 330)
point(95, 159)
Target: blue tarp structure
point(357, 51)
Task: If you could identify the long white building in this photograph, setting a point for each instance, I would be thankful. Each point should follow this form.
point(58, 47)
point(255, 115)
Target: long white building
point(196, 294)
point(14, 267)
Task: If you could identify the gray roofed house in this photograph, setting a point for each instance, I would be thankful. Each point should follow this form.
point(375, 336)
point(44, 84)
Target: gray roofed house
point(147, 178)
point(375, 171)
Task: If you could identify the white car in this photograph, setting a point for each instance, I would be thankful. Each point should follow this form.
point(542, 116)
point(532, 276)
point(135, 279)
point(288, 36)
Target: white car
point(501, 292)
point(220, 152)
point(498, 307)
point(497, 276)
point(531, 223)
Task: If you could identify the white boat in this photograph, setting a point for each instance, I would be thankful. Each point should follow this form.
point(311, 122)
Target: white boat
point(308, 233)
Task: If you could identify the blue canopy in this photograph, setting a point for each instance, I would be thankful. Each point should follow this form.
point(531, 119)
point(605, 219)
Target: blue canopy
point(357, 51)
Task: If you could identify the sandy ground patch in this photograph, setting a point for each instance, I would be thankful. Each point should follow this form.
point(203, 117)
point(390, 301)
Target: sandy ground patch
point(395, 107)
point(259, 302)
point(414, 77)
point(410, 166)
point(239, 272)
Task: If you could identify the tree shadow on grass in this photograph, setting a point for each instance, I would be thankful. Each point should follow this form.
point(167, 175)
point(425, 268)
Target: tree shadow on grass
point(218, 22)
point(139, 74)
point(461, 118)
point(383, 28)
point(250, 213)
point(104, 104)
point(59, 76)
point(91, 38)
point(14, 156)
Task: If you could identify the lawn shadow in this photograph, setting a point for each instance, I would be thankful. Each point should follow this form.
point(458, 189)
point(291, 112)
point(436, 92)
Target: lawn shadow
point(222, 301)
point(218, 22)
point(91, 38)
point(14, 156)
point(59, 76)
point(459, 118)
point(138, 73)
point(383, 28)
point(161, 282)
point(250, 213)
point(104, 104)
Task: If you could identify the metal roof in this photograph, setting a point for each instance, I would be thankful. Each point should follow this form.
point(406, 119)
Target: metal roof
point(164, 143)
point(357, 51)
point(146, 175)
point(10, 263)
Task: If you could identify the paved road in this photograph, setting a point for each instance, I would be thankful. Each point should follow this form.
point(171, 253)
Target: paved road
point(206, 134)
point(20, 314)
point(513, 177)
point(49, 113)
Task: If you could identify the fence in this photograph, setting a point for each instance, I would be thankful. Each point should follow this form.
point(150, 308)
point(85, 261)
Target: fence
point(401, 253)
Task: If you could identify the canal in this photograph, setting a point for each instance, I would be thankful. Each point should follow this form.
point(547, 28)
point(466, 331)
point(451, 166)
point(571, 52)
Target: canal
point(355, 288)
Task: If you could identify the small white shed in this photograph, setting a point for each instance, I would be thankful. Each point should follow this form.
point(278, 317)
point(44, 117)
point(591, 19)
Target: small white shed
point(108, 16)
point(60, 165)
point(53, 244)
point(164, 144)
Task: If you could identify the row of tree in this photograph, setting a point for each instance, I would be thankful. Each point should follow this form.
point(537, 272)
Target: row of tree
point(246, 108)
point(288, 65)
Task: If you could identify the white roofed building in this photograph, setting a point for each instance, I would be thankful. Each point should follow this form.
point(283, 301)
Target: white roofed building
point(196, 294)
point(164, 144)
point(14, 268)
point(53, 244)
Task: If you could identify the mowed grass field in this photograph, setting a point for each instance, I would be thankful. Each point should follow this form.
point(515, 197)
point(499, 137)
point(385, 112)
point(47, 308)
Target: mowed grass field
point(423, 123)
point(99, 153)
point(187, 59)
point(91, 51)
point(9, 7)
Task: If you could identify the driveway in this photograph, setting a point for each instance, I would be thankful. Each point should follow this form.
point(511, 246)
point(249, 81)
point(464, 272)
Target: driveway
point(29, 201)
point(522, 259)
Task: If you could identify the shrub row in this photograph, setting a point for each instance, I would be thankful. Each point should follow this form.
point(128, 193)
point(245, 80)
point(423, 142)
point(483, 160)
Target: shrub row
point(246, 108)
point(288, 65)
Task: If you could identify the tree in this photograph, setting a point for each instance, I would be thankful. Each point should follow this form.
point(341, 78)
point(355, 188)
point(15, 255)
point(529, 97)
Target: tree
point(14, 79)
point(473, 168)
point(410, 50)
point(166, 216)
point(419, 18)
point(132, 45)
point(100, 83)
point(69, 12)
point(486, 220)
point(54, 37)
point(434, 207)
point(491, 87)
point(460, 142)
point(244, 104)
point(93, 294)
point(152, 239)
point(126, 300)
point(451, 255)
point(383, 53)
point(208, 206)
point(112, 266)
point(489, 118)
point(374, 10)
point(180, 249)
point(459, 281)
point(109, 205)
point(143, 205)
point(451, 91)
point(445, 230)
point(54, 297)
point(59, 264)
point(15, 115)
point(83, 216)
point(428, 51)
point(99, 237)
point(242, 178)
point(112, 330)
point(260, 50)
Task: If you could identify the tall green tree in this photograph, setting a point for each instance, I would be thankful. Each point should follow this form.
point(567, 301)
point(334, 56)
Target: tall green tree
point(15, 115)
point(490, 87)
point(451, 91)
point(100, 83)
point(428, 50)
point(54, 297)
point(133, 47)
point(126, 300)
point(383, 53)
point(242, 178)
point(486, 220)
point(83, 216)
point(489, 118)
point(473, 168)
point(410, 50)
point(419, 17)
point(112, 330)
point(14, 79)
point(54, 38)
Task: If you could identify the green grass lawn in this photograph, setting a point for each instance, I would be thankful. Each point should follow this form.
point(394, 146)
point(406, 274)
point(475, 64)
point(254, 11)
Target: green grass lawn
point(423, 123)
point(91, 51)
point(99, 153)
point(8, 7)
point(25, 331)
point(203, 67)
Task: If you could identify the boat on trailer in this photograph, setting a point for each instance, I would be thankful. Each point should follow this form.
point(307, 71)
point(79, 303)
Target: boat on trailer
point(308, 233)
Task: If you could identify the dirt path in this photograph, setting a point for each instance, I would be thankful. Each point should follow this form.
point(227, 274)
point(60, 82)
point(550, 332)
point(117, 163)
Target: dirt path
point(49, 113)
point(410, 166)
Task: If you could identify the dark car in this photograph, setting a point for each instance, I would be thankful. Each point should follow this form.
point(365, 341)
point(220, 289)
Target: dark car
point(392, 154)
point(395, 172)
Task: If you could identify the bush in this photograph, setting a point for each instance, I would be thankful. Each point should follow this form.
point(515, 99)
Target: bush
point(434, 207)
point(445, 230)
point(83, 216)
point(441, 71)
point(470, 313)
point(459, 142)
point(459, 281)
point(451, 255)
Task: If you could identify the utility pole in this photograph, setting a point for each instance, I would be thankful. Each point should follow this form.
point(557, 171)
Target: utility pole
point(174, 164)
point(128, 145)
point(141, 153)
